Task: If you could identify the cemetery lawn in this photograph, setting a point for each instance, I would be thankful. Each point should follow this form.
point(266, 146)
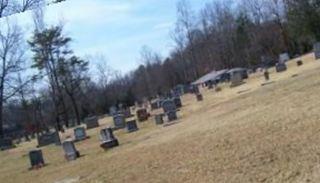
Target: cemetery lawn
point(250, 133)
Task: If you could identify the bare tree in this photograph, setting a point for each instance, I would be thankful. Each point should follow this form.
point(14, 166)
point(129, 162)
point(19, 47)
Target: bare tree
point(11, 63)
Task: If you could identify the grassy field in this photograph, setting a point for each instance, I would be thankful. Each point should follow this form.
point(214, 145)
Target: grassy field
point(250, 133)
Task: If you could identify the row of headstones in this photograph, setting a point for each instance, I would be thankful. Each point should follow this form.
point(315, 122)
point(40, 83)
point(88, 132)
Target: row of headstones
point(108, 141)
point(107, 137)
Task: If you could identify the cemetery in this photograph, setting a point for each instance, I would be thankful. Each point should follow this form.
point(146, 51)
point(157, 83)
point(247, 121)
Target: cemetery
point(253, 135)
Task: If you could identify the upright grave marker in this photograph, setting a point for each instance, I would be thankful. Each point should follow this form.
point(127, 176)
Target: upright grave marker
point(108, 139)
point(281, 67)
point(80, 134)
point(158, 119)
point(92, 122)
point(316, 49)
point(177, 101)
point(36, 159)
point(142, 115)
point(119, 121)
point(236, 79)
point(266, 75)
point(199, 97)
point(170, 109)
point(70, 150)
point(132, 126)
point(48, 139)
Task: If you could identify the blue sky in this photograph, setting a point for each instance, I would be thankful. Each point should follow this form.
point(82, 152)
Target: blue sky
point(115, 28)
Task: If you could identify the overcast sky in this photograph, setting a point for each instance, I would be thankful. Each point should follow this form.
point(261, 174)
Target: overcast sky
point(115, 28)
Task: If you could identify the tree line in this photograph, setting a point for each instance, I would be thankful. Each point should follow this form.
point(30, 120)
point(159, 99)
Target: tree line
point(223, 34)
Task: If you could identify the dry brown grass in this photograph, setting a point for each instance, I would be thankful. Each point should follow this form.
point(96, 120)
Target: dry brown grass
point(245, 134)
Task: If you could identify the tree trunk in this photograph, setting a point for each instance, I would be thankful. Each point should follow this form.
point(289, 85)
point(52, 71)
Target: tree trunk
point(75, 108)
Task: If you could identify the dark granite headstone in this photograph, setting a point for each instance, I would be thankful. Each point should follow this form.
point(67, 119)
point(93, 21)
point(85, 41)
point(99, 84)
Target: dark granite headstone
point(92, 122)
point(36, 159)
point(119, 121)
point(142, 115)
point(266, 75)
point(172, 116)
point(70, 151)
point(132, 126)
point(80, 134)
point(177, 102)
point(6, 143)
point(48, 139)
point(158, 119)
point(281, 67)
point(199, 97)
point(108, 139)
point(169, 105)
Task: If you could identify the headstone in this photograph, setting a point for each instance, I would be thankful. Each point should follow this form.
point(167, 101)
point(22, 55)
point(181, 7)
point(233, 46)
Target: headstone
point(92, 122)
point(236, 79)
point(80, 134)
point(316, 49)
point(177, 101)
point(108, 139)
point(127, 113)
point(70, 150)
point(142, 115)
point(48, 139)
point(284, 57)
point(36, 159)
point(119, 121)
point(172, 116)
point(199, 97)
point(158, 119)
point(299, 63)
point(112, 111)
point(266, 75)
point(156, 104)
point(281, 67)
point(132, 126)
point(169, 105)
point(6, 143)
point(194, 89)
